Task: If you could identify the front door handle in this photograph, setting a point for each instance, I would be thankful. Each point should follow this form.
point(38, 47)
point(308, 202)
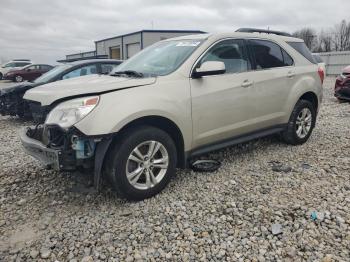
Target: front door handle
point(290, 74)
point(247, 83)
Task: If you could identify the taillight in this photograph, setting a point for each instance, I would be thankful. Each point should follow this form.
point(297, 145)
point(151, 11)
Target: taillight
point(321, 73)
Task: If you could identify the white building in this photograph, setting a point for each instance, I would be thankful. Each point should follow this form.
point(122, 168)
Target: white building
point(124, 46)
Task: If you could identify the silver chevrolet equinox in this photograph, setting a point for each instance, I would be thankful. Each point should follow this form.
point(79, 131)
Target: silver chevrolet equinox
point(173, 101)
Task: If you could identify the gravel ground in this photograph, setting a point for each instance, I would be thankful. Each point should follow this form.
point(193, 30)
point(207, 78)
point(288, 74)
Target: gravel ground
point(268, 202)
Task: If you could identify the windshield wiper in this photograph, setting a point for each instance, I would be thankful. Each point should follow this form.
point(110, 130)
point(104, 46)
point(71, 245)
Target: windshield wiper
point(128, 73)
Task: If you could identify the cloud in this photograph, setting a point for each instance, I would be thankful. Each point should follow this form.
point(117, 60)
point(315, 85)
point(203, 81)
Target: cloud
point(45, 30)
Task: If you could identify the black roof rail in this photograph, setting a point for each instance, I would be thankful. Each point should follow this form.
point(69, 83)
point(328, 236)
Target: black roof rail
point(255, 30)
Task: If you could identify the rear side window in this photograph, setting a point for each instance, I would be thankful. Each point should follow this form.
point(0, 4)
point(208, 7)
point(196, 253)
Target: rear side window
point(267, 54)
point(232, 53)
point(303, 50)
point(45, 67)
point(33, 67)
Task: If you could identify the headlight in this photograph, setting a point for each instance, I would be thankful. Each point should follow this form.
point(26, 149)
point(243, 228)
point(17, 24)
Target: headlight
point(70, 112)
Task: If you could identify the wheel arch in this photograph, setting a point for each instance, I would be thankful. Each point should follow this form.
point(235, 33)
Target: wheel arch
point(164, 124)
point(311, 97)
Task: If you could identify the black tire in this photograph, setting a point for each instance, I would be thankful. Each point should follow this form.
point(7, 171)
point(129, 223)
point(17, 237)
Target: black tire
point(205, 165)
point(117, 159)
point(1, 76)
point(290, 135)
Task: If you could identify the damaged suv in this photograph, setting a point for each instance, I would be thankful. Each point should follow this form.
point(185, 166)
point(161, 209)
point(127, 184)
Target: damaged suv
point(174, 101)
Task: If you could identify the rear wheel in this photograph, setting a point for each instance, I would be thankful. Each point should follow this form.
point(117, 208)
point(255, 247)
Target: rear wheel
point(301, 123)
point(18, 78)
point(142, 163)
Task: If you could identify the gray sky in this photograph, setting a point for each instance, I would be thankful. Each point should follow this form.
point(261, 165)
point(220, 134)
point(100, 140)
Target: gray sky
point(47, 30)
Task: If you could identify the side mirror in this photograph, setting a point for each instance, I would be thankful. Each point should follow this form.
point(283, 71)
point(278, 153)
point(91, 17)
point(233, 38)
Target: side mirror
point(28, 69)
point(209, 68)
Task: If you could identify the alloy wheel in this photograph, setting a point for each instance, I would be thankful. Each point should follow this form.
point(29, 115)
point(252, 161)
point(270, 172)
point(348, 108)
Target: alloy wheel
point(303, 123)
point(19, 79)
point(147, 165)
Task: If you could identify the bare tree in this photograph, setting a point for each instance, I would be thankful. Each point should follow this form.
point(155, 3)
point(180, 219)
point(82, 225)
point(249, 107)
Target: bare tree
point(308, 35)
point(341, 39)
point(324, 42)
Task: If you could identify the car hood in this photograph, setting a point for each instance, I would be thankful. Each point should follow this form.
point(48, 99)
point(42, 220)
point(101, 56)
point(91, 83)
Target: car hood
point(18, 88)
point(82, 86)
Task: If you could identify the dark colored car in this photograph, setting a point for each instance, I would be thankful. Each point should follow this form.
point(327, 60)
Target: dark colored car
point(342, 85)
point(29, 72)
point(11, 98)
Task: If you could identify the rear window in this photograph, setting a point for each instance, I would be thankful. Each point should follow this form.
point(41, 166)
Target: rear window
point(303, 50)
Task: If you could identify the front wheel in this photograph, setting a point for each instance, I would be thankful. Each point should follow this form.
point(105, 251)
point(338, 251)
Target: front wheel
point(142, 163)
point(301, 123)
point(18, 78)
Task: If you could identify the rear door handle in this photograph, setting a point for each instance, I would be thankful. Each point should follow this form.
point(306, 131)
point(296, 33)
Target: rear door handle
point(247, 83)
point(290, 74)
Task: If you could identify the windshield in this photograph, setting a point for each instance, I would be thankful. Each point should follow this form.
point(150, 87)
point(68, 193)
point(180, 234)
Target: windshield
point(52, 73)
point(161, 58)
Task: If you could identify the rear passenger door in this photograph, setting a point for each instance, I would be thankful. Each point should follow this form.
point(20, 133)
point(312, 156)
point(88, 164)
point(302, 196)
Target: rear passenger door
point(273, 75)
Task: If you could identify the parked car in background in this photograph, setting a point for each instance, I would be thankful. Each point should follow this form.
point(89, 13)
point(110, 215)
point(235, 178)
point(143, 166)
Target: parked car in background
point(342, 85)
point(174, 101)
point(11, 98)
point(320, 63)
point(11, 65)
point(27, 73)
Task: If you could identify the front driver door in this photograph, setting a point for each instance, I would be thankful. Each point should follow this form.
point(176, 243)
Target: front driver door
point(222, 104)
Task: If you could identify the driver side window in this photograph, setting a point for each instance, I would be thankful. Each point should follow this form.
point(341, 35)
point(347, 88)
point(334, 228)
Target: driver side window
point(232, 53)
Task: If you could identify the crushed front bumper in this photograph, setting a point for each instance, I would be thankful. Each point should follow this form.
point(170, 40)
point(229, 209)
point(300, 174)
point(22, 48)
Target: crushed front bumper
point(47, 156)
point(66, 150)
point(59, 149)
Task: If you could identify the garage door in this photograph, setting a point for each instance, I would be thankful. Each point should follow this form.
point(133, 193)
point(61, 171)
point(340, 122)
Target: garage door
point(115, 52)
point(132, 49)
